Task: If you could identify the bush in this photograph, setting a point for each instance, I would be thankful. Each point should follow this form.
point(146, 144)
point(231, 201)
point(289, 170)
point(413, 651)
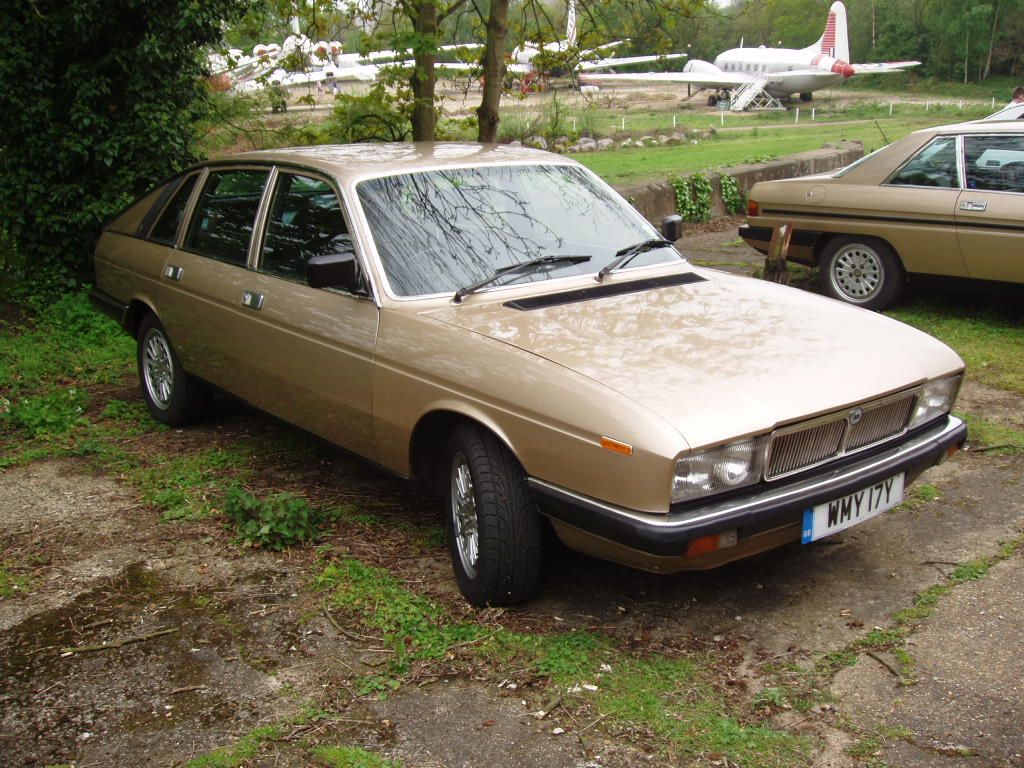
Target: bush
point(100, 100)
point(276, 522)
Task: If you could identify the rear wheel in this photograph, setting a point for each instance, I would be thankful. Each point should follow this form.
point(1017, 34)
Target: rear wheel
point(862, 271)
point(172, 396)
point(494, 530)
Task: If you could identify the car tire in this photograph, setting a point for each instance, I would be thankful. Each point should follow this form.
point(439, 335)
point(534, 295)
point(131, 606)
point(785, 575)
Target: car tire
point(172, 396)
point(861, 270)
point(494, 530)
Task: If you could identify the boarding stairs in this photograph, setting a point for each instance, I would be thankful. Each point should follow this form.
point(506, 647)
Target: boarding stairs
point(752, 95)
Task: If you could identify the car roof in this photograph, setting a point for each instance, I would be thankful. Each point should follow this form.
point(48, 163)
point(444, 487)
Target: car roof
point(1009, 112)
point(347, 161)
point(976, 126)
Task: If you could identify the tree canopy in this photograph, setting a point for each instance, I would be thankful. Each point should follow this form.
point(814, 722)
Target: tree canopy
point(101, 99)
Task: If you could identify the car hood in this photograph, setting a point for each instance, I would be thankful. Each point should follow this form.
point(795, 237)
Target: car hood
point(722, 357)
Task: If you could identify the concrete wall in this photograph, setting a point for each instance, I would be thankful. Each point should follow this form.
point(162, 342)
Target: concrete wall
point(656, 200)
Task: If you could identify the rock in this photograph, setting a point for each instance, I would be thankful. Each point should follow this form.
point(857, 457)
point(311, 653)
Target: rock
point(603, 144)
point(536, 142)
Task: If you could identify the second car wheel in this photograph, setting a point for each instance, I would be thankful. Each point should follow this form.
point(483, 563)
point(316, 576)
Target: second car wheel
point(494, 530)
point(862, 271)
point(172, 396)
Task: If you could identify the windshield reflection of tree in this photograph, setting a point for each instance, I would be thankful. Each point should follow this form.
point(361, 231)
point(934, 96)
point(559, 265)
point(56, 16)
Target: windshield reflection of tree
point(441, 230)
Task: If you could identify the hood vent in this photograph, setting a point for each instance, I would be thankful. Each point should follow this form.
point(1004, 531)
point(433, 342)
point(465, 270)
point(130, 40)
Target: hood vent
point(602, 291)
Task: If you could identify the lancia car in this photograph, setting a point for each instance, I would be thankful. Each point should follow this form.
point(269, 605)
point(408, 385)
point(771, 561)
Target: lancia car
point(501, 326)
point(945, 202)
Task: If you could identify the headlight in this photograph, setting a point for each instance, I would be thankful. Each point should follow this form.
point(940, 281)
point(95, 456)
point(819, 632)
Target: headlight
point(937, 398)
point(719, 469)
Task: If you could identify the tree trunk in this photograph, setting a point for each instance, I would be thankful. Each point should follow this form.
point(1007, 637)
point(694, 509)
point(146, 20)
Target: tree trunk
point(424, 78)
point(991, 41)
point(494, 73)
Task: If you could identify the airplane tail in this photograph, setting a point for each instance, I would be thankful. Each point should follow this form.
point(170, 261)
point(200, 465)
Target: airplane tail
point(833, 42)
point(570, 23)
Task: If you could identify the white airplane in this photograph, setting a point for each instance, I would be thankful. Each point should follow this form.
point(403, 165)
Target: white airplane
point(780, 72)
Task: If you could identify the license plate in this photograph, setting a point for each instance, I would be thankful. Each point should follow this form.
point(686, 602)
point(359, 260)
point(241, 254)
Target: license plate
point(840, 514)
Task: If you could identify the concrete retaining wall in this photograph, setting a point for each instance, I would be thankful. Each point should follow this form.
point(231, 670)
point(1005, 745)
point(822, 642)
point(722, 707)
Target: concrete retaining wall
point(657, 200)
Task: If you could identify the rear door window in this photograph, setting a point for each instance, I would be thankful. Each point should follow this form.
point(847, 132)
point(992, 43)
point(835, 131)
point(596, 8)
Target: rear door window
point(225, 215)
point(994, 163)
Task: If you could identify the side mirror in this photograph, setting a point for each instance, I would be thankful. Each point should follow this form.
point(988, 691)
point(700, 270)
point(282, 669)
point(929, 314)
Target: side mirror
point(672, 227)
point(334, 270)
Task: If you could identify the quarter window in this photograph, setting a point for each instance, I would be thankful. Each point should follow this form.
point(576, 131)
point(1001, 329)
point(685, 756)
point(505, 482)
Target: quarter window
point(305, 220)
point(223, 222)
point(994, 163)
point(166, 228)
point(933, 166)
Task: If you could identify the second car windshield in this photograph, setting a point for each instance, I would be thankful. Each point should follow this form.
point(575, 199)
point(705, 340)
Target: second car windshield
point(439, 231)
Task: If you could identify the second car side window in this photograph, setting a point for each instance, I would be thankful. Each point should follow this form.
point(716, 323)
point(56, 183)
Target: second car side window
point(225, 215)
point(933, 166)
point(305, 220)
point(994, 163)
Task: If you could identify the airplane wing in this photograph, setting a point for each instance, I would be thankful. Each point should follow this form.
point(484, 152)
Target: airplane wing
point(586, 66)
point(884, 68)
point(702, 79)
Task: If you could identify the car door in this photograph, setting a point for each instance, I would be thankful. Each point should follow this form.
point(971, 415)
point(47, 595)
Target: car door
point(918, 208)
point(311, 349)
point(990, 211)
point(204, 281)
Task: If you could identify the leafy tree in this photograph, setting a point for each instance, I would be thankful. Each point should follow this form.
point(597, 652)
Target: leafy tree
point(100, 100)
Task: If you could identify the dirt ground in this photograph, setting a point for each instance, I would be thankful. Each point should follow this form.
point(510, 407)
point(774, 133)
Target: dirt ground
point(142, 643)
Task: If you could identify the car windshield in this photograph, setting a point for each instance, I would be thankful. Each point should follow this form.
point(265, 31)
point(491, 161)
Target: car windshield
point(438, 231)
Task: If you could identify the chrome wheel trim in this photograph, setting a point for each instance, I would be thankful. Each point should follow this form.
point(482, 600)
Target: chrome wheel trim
point(465, 532)
point(857, 273)
point(157, 369)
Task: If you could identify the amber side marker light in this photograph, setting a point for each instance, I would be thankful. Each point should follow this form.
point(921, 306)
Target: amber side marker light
point(616, 446)
point(753, 208)
point(712, 543)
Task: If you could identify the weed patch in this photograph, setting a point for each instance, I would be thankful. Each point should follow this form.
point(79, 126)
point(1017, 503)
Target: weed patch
point(279, 521)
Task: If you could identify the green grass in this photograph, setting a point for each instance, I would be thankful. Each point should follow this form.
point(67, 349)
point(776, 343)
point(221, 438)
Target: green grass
point(728, 148)
point(351, 757)
point(190, 486)
point(238, 755)
point(997, 439)
point(988, 335)
point(11, 581)
point(670, 698)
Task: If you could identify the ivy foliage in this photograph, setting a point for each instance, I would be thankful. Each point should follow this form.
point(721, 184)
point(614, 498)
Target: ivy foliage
point(733, 200)
point(693, 197)
point(100, 100)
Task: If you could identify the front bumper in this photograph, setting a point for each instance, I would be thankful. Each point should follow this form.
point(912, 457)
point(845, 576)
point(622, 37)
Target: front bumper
point(762, 508)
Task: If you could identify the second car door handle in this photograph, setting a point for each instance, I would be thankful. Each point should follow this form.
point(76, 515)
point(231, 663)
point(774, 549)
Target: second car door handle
point(252, 300)
point(973, 205)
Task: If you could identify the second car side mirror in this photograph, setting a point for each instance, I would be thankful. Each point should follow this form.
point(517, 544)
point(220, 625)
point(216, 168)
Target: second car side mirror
point(672, 227)
point(334, 270)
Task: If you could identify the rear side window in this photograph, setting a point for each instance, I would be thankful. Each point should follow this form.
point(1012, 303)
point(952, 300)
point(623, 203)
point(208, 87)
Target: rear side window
point(166, 228)
point(222, 224)
point(933, 166)
point(305, 220)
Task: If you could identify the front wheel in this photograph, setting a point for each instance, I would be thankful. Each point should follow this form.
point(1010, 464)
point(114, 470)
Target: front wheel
point(494, 530)
point(862, 271)
point(172, 396)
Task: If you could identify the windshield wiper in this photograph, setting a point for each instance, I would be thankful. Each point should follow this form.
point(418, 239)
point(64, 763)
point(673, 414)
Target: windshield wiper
point(626, 255)
point(522, 266)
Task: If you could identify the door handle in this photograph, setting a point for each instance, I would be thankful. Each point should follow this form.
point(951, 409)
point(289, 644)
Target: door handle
point(252, 300)
point(172, 272)
point(973, 205)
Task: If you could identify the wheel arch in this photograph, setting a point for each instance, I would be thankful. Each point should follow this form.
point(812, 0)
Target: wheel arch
point(137, 309)
point(430, 436)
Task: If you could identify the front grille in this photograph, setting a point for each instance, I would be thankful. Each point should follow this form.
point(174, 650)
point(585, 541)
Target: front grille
point(800, 446)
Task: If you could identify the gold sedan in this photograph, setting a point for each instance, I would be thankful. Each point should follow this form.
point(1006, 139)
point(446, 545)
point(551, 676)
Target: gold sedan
point(498, 324)
point(943, 202)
